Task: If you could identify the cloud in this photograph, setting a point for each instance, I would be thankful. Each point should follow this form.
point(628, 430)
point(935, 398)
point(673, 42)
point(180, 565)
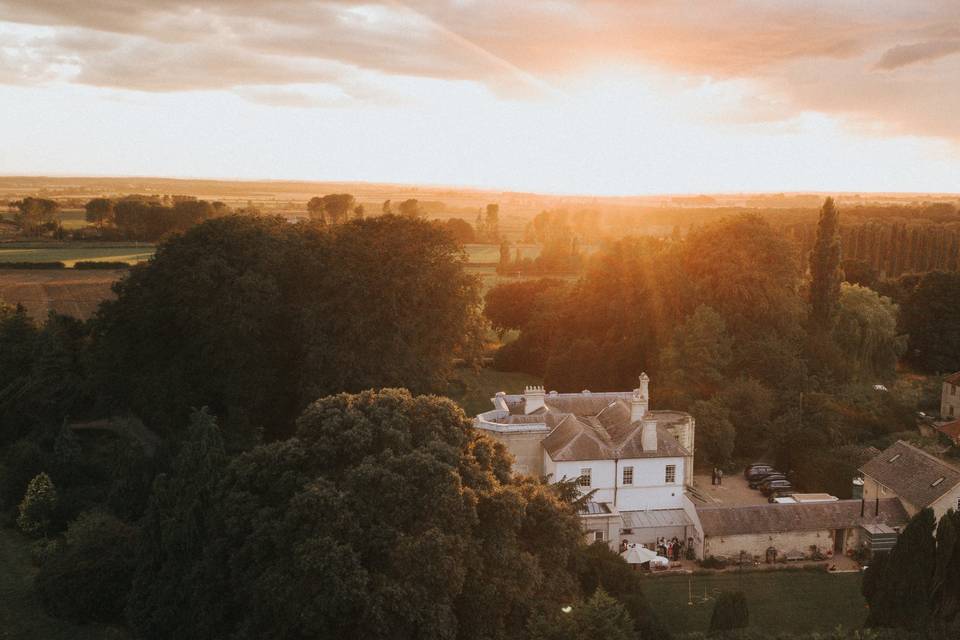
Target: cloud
point(907, 54)
point(820, 55)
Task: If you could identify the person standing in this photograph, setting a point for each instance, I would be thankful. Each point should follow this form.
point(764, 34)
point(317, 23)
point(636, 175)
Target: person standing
point(720, 477)
point(713, 477)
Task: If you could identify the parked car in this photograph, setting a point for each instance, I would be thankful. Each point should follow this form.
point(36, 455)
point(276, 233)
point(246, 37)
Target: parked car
point(781, 496)
point(757, 467)
point(776, 475)
point(774, 486)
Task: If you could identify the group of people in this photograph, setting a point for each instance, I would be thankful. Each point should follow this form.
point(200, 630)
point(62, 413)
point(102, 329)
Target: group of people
point(671, 549)
point(717, 476)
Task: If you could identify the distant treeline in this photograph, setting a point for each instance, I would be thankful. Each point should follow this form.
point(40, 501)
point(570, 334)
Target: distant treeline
point(894, 248)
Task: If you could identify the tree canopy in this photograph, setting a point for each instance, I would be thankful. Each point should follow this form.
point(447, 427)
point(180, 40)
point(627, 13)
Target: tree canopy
point(255, 317)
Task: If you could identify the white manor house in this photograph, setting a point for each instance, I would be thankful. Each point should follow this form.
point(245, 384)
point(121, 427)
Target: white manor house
point(636, 461)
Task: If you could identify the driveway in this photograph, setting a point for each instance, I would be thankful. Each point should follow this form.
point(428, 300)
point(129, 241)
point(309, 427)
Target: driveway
point(733, 492)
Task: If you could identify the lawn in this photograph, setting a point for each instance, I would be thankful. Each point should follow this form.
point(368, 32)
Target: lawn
point(472, 390)
point(795, 601)
point(71, 252)
point(21, 616)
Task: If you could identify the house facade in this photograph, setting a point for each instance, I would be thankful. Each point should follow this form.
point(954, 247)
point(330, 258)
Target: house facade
point(950, 397)
point(918, 479)
point(634, 463)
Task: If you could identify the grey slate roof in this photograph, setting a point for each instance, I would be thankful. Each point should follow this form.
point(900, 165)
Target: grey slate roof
point(912, 474)
point(811, 516)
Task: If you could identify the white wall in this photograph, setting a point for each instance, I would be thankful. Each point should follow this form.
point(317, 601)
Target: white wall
point(950, 401)
point(648, 491)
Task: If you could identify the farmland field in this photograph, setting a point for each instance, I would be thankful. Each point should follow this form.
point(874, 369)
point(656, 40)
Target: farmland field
point(794, 601)
point(72, 252)
point(67, 291)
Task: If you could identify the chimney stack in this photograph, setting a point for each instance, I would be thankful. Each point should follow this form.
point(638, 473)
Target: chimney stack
point(648, 437)
point(533, 399)
point(640, 402)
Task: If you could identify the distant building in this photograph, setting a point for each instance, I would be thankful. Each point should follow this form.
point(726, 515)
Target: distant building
point(950, 397)
point(636, 462)
point(918, 479)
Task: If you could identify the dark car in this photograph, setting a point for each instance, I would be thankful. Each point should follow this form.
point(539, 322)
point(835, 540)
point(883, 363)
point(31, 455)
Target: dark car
point(758, 481)
point(757, 467)
point(775, 486)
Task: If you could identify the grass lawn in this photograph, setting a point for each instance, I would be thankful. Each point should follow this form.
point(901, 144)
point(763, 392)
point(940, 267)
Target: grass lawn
point(794, 601)
point(21, 616)
point(473, 391)
point(69, 253)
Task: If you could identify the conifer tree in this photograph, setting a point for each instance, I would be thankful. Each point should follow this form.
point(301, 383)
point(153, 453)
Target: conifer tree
point(730, 612)
point(825, 272)
point(39, 503)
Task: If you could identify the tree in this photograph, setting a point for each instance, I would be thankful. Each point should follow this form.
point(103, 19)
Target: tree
point(729, 612)
point(750, 405)
point(175, 556)
point(387, 208)
point(89, 577)
point(511, 306)
point(99, 211)
point(866, 332)
point(410, 208)
point(929, 315)
point(255, 317)
point(715, 432)
point(33, 212)
point(898, 593)
point(39, 503)
point(387, 516)
point(699, 353)
point(333, 208)
point(491, 225)
point(460, 229)
point(825, 272)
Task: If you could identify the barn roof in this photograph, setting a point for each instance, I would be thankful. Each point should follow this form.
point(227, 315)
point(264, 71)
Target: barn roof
point(913, 474)
point(811, 516)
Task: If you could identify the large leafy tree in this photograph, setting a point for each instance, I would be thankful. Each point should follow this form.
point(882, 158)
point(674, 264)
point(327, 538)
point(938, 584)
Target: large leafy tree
point(930, 315)
point(254, 317)
point(387, 516)
point(825, 271)
point(866, 332)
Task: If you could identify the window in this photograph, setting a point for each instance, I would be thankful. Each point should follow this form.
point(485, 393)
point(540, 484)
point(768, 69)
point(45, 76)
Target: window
point(671, 475)
point(628, 475)
point(598, 536)
point(584, 480)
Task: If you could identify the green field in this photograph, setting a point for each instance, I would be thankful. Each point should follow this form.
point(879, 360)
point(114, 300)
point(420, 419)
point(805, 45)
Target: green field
point(795, 601)
point(473, 391)
point(21, 616)
point(71, 252)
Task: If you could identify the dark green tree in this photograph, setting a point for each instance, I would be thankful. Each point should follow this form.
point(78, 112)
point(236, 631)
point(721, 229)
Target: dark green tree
point(99, 212)
point(930, 315)
point(729, 612)
point(899, 592)
point(37, 508)
point(825, 272)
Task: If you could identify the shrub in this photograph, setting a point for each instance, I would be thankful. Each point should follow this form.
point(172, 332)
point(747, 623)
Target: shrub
point(32, 265)
point(101, 264)
point(713, 562)
point(88, 578)
point(21, 461)
point(729, 612)
point(38, 506)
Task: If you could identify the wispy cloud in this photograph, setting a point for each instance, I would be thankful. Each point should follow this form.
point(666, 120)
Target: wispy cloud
point(907, 54)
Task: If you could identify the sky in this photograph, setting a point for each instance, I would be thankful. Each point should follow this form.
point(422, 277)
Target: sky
point(554, 96)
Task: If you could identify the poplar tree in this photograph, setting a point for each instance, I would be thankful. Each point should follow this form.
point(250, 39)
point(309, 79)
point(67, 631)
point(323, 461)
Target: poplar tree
point(825, 272)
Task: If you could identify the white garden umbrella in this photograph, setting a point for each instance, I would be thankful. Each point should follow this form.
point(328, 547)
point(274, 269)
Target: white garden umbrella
point(635, 554)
